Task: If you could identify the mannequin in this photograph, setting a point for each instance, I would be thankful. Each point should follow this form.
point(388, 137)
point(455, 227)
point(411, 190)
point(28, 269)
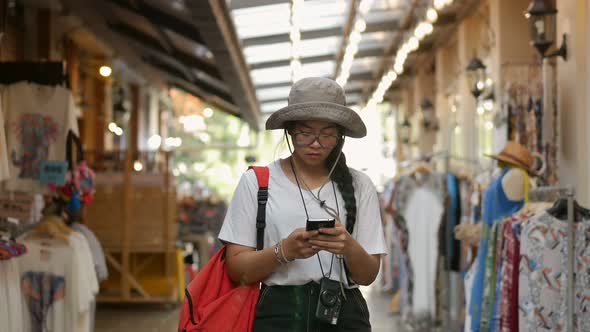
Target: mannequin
point(505, 196)
point(513, 184)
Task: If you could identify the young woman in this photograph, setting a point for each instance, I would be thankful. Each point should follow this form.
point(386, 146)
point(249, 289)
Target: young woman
point(307, 274)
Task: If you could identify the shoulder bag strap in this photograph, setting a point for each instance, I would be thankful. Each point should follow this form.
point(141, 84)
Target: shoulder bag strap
point(262, 175)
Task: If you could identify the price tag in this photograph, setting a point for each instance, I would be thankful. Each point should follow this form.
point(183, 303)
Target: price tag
point(16, 205)
point(54, 172)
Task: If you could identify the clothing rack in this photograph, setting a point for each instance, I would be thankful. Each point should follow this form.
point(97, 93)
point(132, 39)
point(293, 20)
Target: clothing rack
point(44, 73)
point(547, 194)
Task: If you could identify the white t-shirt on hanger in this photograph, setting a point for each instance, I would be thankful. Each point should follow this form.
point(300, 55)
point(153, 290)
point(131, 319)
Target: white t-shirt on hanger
point(38, 119)
point(10, 305)
point(423, 215)
point(285, 213)
point(64, 273)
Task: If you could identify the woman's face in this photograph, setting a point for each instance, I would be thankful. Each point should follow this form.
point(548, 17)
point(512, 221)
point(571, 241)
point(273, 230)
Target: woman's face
point(314, 141)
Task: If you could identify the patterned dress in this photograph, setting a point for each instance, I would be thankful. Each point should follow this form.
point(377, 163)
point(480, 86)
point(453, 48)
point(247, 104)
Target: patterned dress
point(543, 275)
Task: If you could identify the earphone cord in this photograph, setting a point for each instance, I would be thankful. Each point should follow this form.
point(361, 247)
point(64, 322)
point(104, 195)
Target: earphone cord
point(321, 204)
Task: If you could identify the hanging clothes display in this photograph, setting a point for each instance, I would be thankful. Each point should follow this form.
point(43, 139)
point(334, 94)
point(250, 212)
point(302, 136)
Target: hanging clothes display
point(58, 284)
point(542, 280)
point(38, 118)
point(416, 192)
point(11, 304)
point(525, 275)
point(496, 206)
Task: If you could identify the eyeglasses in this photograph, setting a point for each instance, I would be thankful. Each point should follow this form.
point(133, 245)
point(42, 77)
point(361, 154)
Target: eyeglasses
point(306, 139)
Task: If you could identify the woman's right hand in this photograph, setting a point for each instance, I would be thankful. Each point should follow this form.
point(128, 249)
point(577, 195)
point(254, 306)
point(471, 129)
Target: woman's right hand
point(297, 245)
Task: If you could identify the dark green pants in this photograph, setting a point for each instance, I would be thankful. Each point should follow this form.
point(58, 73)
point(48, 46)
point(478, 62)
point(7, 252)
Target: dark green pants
point(292, 309)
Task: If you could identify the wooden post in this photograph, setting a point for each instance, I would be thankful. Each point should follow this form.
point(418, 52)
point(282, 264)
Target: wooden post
point(127, 226)
point(129, 199)
point(168, 220)
point(134, 120)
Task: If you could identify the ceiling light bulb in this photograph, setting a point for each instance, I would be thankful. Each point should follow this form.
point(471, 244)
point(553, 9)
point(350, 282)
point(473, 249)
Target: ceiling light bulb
point(360, 25)
point(399, 68)
point(137, 166)
point(480, 110)
point(428, 28)
point(439, 4)
point(154, 142)
point(365, 6)
point(418, 32)
point(489, 125)
point(208, 112)
point(295, 35)
point(182, 168)
point(457, 129)
point(414, 43)
point(431, 15)
point(392, 75)
point(105, 71)
point(295, 65)
point(119, 131)
point(480, 85)
point(489, 82)
point(113, 127)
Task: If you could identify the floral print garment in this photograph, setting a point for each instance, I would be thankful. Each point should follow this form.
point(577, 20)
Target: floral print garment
point(543, 275)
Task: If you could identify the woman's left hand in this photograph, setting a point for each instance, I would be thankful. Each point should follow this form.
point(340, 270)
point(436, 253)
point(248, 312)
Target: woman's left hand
point(336, 240)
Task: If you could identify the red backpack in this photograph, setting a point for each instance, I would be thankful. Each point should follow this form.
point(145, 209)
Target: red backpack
point(213, 302)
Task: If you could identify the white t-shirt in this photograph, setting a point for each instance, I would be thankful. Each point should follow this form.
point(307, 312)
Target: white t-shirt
point(37, 120)
point(285, 213)
point(423, 214)
point(10, 303)
point(64, 273)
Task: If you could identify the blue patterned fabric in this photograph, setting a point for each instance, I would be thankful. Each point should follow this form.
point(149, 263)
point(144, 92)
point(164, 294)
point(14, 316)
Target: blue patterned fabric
point(496, 206)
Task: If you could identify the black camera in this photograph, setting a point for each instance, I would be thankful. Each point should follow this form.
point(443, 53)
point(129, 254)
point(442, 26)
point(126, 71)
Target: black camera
point(329, 302)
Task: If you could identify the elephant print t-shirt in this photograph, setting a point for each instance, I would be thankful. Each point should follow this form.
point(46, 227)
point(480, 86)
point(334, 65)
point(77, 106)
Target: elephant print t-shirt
point(58, 284)
point(37, 121)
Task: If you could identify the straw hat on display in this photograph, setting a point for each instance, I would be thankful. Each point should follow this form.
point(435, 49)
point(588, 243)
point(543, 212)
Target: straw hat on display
point(317, 98)
point(515, 154)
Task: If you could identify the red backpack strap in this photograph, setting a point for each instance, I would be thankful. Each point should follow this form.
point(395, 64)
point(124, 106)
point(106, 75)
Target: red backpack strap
point(262, 175)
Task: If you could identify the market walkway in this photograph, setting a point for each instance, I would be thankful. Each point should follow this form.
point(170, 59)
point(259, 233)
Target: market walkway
point(156, 318)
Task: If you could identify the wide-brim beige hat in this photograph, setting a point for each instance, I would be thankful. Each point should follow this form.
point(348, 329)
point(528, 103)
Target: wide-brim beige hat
point(317, 98)
point(516, 155)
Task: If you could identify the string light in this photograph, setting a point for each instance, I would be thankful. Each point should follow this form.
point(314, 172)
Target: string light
point(295, 35)
point(105, 71)
point(208, 112)
point(412, 44)
point(354, 39)
point(137, 166)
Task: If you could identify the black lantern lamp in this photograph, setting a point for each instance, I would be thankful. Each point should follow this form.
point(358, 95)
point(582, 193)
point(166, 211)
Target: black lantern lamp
point(542, 17)
point(476, 76)
point(405, 131)
point(428, 115)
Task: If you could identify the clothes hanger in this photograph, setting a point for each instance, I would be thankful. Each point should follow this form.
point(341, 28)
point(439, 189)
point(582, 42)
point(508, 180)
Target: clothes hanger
point(422, 168)
point(54, 227)
point(559, 210)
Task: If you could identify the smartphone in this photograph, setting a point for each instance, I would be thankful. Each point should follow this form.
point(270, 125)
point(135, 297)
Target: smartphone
point(315, 224)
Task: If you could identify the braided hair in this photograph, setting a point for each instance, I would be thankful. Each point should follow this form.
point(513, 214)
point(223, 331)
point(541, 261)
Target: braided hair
point(343, 179)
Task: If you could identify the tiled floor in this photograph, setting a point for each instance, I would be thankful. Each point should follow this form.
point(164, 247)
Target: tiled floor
point(157, 318)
